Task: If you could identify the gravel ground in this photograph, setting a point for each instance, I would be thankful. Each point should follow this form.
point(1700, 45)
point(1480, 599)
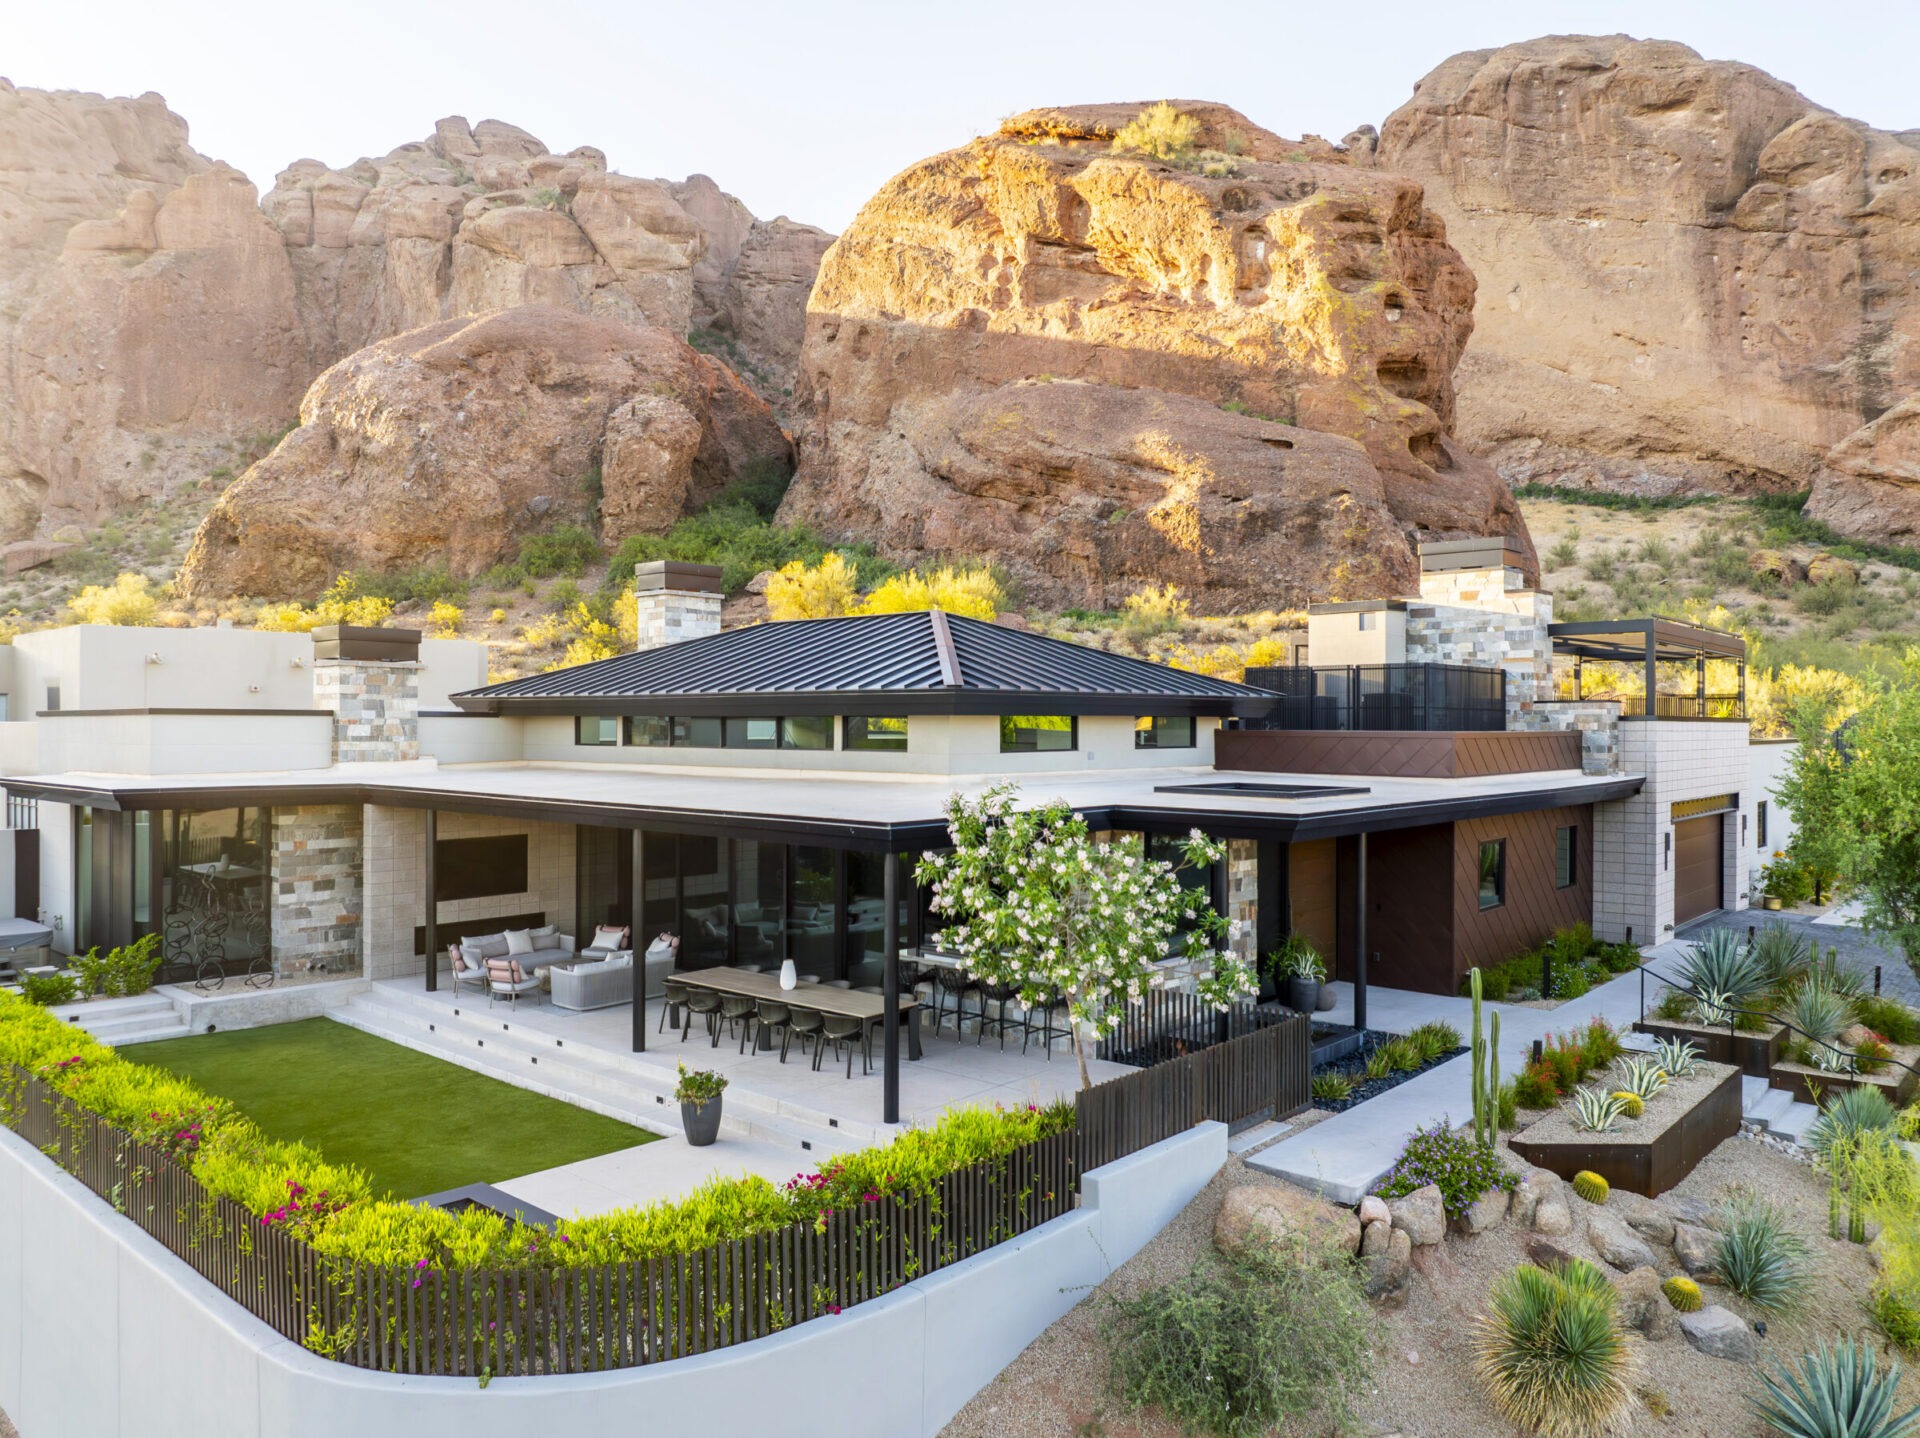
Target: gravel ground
point(1423, 1354)
point(1857, 952)
point(7, 1430)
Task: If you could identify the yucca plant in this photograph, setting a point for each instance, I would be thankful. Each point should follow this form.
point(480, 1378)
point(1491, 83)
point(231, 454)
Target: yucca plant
point(1720, 969)
point(1642, 1075)
point(1782, 956)
point(1836, 1393)
point(1760, 1258)
point(1850, 1112)
point(1594, 1111)
point(1821, 1014)
point(1552, 1354)
point(1680, 1058)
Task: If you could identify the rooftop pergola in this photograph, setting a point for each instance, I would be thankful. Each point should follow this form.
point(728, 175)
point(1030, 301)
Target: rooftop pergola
point(1649, 643)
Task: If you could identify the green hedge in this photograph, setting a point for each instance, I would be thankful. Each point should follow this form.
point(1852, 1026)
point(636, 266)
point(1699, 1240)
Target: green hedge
point(1580, 961)
point(291, 1185)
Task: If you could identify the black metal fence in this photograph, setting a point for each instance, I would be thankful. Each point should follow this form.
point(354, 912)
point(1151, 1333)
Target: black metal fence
point(1433, 697)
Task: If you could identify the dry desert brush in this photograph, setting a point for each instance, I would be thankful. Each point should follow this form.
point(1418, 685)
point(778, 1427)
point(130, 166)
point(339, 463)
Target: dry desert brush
point(1248, 1340)
point(1552, 1354)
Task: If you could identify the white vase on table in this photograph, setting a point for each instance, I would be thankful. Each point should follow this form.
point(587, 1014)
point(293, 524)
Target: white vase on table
point(789, 977)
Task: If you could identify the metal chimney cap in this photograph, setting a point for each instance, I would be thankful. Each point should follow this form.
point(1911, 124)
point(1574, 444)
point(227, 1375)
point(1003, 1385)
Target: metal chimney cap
point(1440, 555)
point(677, 574)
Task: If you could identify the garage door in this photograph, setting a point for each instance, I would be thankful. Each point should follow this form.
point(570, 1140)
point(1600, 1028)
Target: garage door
point(1697, 867)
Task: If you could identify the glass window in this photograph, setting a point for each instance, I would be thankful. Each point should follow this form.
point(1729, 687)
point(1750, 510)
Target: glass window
point(703, 901)
point(1037, 733)
point(660, 887)
point(1196, 882)
point(1368, 622)
point(3, 708)
point(812, 910)
point(596, 729)
point(82, 878)
point(863, 731)
point(806, 731)
point(214, 888)
point(1159, 732)
point(53, 698)
point(697, 733)
point(759, 897)
point(1493, 873)
point(649, 731)
point(1760, 824)
point(751, 733)
point(1566, 842)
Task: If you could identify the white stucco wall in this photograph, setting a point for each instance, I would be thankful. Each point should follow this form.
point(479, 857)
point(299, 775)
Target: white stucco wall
point(56, 872)
point(135, 743)
point(1768, 759)
point(104, 1334)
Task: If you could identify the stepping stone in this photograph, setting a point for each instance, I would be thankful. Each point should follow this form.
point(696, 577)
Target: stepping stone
point(1720, 1334)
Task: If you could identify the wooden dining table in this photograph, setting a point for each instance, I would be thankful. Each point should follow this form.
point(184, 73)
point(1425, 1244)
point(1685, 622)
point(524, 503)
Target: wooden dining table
point(814, 998)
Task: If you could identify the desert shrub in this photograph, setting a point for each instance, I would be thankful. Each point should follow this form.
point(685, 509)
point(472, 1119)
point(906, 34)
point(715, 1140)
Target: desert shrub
point(1380, 1062)
point(1782, 955)
point(445, 618)
point(974, 592)
point(1850, 1112)
point(1552, 1354)
point(1759, 1256)
point(566, 549)
point(1159, 132)
point(1675, 1006)
point(1894, 1022)
point(341, 604)
point(1440, 1154)
point(1537, 1087)
point(1153, 611)
point(130, 600)
point(1507, 1105)
point(1821, 1016)
point(46, 990)
point(821, 591)
point(1722, 974)
point(1246, 1342)
point(1570, 981)
point(1871, 1055)
point(1834, 1393)
point(1599, 1044)
point(428, 583)
point(1402, 1055)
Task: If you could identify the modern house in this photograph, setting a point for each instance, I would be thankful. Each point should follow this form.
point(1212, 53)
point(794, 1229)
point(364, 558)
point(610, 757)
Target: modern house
point(1418, 799)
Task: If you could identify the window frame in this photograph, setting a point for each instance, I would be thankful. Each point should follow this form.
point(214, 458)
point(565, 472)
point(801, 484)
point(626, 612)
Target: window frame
point(631, 730)
point(1146, 731)
point(1566, 875)
point(682, 729)
point(1499, 875)
point(1008, 724)
point(608, 724)
point(1760, 825)
point(864, 744)
point(825, 746)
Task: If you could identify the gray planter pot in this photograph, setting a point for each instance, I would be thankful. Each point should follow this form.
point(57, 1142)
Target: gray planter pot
point(701, 1121)
point(1325, 999)
point(1301, 994)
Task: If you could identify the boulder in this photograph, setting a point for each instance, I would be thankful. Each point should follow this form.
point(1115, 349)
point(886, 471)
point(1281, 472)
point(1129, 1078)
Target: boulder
point(1643, 1307)
point(1536, 1185)
point(1639, 218)
point(1697, 1249)
point(1783, 569)
point(1487, 1211)
point(1825, 568)
point(1422, 1214)
point(1682, 1208)
point(1373, 1209)
point(1644, 1216)
point(1106, 371)
point(450, 443)
point(1868, 485)
point(1432, 1261)
point(1386, 1258)
point(1553, 1215)
point(1618, 1244)
point(1543, 1252)
point(1719, 1333)
point(1279, 1211)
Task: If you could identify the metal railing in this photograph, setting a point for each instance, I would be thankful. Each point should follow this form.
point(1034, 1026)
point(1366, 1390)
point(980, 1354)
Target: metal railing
point(1685, 706)
point(1430, 697)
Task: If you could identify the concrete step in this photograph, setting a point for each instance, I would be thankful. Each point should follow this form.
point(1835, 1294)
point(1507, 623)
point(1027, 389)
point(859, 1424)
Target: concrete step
point(1752, 1090)
point(176, 1030)
point(1794, 1122)
point(1767, 1108)
point(139, 1019)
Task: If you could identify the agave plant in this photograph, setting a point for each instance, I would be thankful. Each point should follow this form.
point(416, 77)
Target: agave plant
point(1679, 1057)
point(1720, 966)
point(1332, 1087)
point(1596, 1112)
point(1552, 1353)
point(1643, 1076)
point(1848, 1113)
point(1821, 1014)
point(1762, 1260)
point(1837, 1393)
point(1782, 955)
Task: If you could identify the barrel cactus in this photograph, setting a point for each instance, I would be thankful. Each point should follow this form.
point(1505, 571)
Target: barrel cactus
point(1590, 1186)
point(1631, 1104)
point(1683, 1293)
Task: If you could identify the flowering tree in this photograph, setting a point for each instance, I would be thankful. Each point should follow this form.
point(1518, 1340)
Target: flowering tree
point(1036, 904)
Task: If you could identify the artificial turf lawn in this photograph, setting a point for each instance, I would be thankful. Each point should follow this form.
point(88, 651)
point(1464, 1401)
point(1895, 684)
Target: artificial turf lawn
point(416, 1124)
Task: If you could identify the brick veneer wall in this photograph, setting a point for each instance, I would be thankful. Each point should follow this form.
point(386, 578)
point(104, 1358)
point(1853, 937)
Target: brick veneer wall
point(318, 865)
point(376, 708)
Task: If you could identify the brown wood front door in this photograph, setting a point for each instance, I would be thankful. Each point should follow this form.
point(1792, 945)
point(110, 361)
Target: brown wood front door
point(1314, 895)
point(1698, 866)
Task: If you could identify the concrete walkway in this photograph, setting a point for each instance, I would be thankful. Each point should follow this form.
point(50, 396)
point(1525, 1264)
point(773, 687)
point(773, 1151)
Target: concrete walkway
point(1345, 1155)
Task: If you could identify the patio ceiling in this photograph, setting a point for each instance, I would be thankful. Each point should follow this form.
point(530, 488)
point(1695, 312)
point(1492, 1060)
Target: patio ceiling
point(1633, 641)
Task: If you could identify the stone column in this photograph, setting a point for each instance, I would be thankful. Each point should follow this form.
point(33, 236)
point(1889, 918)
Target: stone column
point(318, 863)
point(370, 679)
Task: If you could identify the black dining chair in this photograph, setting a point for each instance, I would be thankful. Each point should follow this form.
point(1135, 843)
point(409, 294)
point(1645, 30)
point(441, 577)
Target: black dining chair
point(674, 1005)
point(803, 1024)
point(738, 1009)
point(850, 1032)
point(770, 1017)
point(705, 1002)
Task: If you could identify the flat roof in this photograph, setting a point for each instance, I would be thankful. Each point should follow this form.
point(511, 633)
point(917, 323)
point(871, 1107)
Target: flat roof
point(1630, 640)
point(879, 811)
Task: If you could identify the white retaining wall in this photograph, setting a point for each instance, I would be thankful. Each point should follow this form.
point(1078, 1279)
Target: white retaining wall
point(104, 1334)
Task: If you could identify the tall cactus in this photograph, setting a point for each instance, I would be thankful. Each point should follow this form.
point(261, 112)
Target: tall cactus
point(1486, 1071)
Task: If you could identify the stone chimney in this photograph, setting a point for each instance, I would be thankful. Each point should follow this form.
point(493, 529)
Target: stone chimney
point(370, 679)
point(675, 601)
point(1476, 607)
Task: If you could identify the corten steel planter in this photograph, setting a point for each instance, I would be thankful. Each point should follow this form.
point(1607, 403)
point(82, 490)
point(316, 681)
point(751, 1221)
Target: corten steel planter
point(1896, 1083)
point(701, 1121)
point(1648, 1165)
point(1753, 1054)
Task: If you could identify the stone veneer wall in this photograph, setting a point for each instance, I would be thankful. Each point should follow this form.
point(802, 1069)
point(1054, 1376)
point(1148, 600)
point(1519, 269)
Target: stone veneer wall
point(396, 880)
point(1597, 720)
point(667, 616)
point(317, 859)
point(1489, 618)
point(376, 708)
point(1243, 895)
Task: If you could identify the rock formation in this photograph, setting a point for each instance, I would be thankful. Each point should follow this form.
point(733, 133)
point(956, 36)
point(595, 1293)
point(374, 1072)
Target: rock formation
point(1106, 371)
point(1691, 276)
point(145, 308)
point(450, 442)
point(1868, 486)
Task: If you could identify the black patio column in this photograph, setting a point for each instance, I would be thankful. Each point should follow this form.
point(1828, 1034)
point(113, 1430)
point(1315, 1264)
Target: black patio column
point(433, 906)
point(890, 985)
point(638, 943)
point(1652, 675)
point(1360, 938)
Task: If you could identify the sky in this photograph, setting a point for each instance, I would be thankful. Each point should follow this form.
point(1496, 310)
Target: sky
point(805, 109)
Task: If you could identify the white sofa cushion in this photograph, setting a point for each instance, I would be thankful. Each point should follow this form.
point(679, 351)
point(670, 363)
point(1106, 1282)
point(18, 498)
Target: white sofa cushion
point(519, 941)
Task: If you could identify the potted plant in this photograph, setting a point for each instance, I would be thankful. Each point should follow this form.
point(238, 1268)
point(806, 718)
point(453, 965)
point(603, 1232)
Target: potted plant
point(1301, 970)
point(699, 1093)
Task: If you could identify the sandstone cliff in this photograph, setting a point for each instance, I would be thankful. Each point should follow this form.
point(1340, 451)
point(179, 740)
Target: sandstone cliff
point(1691, 276)
point(1105, 371)
point(450, 442)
